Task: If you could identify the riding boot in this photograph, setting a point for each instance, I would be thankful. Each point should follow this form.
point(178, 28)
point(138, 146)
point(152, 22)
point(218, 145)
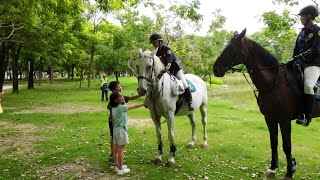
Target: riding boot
point(188, 97)
point(308, 106)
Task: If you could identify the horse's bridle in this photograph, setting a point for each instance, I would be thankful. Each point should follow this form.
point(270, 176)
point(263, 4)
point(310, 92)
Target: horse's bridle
point(152, 73)
point(149, 80)
point(235, 55)
point(250, 71)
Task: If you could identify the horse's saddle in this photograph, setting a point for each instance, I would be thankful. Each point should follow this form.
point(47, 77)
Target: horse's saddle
point(177, 86)
point(178, 89)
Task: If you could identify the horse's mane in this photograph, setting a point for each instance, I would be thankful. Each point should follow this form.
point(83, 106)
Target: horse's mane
point(158, 66)
point(269, 59)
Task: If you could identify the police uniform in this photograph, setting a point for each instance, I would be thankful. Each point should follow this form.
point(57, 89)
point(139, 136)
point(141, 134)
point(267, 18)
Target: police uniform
point(309, 39)
point(307, 49)
point(166, 56)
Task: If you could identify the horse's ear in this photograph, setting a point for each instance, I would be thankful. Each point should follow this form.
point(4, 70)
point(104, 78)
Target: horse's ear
point(235, 33)
point(243, 33)
point(140, 52)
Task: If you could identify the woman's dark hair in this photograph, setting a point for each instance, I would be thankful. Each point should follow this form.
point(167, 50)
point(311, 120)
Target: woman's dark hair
point(113, 98)
point(112, 85)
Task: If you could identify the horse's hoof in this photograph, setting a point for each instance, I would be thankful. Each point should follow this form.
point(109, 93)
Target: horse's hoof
point(204, 146)
point(294, 169)
point(170, 164)
point(191, 146)
point(294, 165)
point(270, 174)
point(287, 178)
point(157, 161)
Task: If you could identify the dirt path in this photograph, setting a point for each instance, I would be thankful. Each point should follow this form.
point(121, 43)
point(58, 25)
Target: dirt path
point(19, 140)
point(66, 108)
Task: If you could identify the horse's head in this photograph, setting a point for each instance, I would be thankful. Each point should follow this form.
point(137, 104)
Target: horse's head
point(148, 68)
point(231, 56)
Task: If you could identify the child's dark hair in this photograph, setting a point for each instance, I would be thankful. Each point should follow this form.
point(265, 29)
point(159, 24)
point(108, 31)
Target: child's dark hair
point(112, 85)
point(113, 98)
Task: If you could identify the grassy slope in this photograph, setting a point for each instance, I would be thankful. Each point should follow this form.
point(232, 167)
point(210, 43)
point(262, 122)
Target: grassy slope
point(238, 137)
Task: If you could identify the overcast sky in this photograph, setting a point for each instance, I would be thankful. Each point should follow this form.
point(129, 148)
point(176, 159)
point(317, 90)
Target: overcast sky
point(239, 14)
point(242, 14)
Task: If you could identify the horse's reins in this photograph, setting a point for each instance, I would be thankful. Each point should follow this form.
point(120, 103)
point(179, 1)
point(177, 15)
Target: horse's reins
point(275, 84)
point(250, 71)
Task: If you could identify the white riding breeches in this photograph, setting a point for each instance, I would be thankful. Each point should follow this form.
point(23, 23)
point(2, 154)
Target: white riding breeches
point(311, 75)
point(180, 76)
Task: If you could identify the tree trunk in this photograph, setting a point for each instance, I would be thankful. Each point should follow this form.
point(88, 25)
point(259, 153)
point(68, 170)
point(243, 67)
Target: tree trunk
point(91, 64)
point(31, 70)
point(4, 51)
point(15, 68)
point(72, 71)
point(117, 76)
point(81, 76)
point(40, 71)
point(50, 74)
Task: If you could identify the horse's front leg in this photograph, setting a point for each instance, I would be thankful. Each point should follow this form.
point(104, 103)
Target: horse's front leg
point(192, 119)
point(273, 132)
point(170, 122)
point(285, 127)
point(157, 123)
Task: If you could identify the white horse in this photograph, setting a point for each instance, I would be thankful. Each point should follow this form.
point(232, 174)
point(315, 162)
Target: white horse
point(162, 101)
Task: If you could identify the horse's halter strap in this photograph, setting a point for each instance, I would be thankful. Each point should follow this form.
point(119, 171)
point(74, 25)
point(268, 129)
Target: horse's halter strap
point(150, 84)
point(142, 77)
point(242, 56)
point(152, 72)
point(235, 45)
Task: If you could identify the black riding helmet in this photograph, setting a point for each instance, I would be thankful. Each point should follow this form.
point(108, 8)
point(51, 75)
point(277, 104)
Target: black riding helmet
point(311, 9)
point(155, 37)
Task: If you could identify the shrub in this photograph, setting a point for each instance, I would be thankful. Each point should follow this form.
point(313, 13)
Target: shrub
point(216, 80)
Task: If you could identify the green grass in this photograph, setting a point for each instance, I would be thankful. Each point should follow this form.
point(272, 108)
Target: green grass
point(75, 145)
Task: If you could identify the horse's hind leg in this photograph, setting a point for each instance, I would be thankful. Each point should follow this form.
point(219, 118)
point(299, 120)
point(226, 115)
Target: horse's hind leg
point(203, 110)
point(157, 123)
point(192, 119)
point(285, 128)
point(273, 132)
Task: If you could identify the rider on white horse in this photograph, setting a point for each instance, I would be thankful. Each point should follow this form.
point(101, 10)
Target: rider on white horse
point(172, 64)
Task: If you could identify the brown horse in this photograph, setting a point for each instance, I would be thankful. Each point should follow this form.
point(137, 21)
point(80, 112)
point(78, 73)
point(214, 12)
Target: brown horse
point(278, 99)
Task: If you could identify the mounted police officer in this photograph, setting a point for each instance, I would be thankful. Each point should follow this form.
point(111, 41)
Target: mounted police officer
point(172, 64)
point(307, 51)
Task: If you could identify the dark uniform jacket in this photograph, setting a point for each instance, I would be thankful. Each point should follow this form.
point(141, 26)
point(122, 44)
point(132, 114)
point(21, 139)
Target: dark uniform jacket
point(309, 39)
point(166, 56)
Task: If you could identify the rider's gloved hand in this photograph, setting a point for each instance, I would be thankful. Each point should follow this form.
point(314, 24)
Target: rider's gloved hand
point(167, 67)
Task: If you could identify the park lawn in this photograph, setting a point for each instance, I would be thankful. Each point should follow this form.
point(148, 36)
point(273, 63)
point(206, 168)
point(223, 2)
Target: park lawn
point(59, 131)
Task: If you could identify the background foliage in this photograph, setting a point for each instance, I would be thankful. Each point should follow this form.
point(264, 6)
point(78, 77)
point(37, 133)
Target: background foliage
point(79, 39)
